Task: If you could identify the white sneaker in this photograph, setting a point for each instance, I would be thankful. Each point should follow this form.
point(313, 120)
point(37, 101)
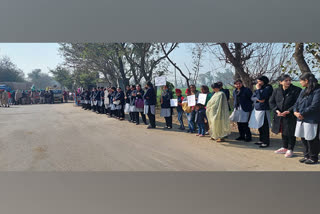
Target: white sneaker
point(281, 151)
point(289, 154)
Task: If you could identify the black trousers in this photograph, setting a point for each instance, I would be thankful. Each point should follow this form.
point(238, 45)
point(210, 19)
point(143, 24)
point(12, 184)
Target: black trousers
point(168, 121)
point(121, 112)
point(288, 142)
point(131, 116)
point(244, 131)
point(264, 131)
point(152, 118)
point(143, 116)
point(312, 147)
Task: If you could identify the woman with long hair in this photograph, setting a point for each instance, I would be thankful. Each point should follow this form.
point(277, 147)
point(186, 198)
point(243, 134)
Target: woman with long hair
point(307, 111)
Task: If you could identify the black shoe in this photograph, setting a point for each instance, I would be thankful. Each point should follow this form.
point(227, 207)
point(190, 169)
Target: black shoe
point(264, 145)
point(309, 161)
point(137, 123)
point(302, 160)
point(248, 140)
point(145, 123)
point(169, 127)
point(151, 127)
point(258, 143)
point(240, 138)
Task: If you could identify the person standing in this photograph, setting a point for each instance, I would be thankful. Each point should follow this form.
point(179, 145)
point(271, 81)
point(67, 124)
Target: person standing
point(260, 117)
point(307, 111)
point(51, 97)
point(281, 103)
point(106, 100)
point(166, 110)
point(188, 110)
point(18, 97)
point(140, 105)
point(101, 106)
point(150, 99)
point(205, 90)
point(201, 119)
point(120, 105)
point(127, 101)
point(218, 114)
point(242, 108)
point(179, 108)
point(194, 91)
point(112, 95)
point(226, 92)
point(42, 97)
point(133, 109)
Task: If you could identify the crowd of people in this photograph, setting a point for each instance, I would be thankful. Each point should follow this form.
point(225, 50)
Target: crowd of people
point(296, 111)
point(24, 97)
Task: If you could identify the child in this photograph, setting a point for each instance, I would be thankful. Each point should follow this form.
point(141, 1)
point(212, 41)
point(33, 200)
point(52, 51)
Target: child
point(179, 108)
point(188, 111)
point(200, 119)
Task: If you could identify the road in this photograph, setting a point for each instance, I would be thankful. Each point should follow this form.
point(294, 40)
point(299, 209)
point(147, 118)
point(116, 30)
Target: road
point(62, 137)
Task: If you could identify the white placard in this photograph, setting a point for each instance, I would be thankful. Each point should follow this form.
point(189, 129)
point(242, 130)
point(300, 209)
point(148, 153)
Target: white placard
point(191, 100)
point(173, 102)
point(160, 81)
point(202, 99)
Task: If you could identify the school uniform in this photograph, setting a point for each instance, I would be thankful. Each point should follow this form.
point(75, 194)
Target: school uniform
point(308, 128)
point(113, 110)
point(120, 106)
point(242, 109)
point(127, 105)
point(166, 110)
point(260, 117)
point(150, 99)
point(284, 100)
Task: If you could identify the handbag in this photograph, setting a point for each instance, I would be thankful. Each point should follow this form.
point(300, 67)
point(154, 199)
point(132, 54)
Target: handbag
point(139, 103)
point(117, 102)
point(186, 108)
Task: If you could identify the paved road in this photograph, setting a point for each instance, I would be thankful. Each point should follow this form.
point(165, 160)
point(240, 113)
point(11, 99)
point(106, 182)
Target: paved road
point(62, 137)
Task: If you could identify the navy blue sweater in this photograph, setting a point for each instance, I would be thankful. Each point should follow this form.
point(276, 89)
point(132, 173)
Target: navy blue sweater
point(262, 94)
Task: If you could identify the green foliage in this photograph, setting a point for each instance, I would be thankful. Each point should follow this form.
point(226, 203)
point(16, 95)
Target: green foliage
point(9, 71)
point(63, 76)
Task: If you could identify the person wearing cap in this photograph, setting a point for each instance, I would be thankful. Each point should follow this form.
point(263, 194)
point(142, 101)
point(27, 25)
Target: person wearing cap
point(218, 114)
point(179, 108)
point(260, 117)
point(150, 99)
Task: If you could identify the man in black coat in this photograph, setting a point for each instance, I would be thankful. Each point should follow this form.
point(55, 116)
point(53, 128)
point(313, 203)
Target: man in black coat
point(282, 104)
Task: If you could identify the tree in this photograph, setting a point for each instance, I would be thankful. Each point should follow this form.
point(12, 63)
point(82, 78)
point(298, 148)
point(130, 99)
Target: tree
point(198, 52)
point(40, 80)
point(63, 76)
point(9, 71)
point(251, 60)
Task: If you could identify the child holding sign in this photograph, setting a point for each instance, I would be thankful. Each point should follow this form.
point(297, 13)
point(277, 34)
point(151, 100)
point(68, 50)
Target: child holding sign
point(179, 108)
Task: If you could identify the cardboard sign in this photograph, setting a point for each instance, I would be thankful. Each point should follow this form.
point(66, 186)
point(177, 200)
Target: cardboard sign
point(202, 99)
point(160, 81)
point(191, 100)
point(173, 102)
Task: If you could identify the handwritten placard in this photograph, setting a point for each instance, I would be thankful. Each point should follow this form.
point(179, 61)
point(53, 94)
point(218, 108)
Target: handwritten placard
point(160, 81)
point(191, 100)
point(202, 99)
point(173, 102)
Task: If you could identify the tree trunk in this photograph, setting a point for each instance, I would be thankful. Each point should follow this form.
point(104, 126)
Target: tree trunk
point(298, 56)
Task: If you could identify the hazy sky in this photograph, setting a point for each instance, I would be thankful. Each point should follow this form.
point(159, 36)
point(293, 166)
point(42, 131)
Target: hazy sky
point(29, 56)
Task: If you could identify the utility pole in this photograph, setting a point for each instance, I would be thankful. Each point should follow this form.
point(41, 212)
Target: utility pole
point(175, 77)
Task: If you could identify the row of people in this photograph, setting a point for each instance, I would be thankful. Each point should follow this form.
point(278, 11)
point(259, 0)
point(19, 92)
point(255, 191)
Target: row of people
point(295, 111)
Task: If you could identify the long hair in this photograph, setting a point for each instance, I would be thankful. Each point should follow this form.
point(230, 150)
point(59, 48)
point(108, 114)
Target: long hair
point(312, 83)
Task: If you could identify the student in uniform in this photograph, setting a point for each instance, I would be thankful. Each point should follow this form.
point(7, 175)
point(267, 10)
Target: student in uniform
point(112, 95)
point(127, 103)
point(119, 98)
point(101, 104)
point(260, 117)
point(281, 103)
point(140, 101)
point(242, 104)
point(133, 109)
point(106, 100)
point(150, 99)
point(179, 108)
point(166, 110)
point(307, 111)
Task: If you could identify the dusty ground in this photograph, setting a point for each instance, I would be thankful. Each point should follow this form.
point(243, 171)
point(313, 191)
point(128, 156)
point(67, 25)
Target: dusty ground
point(62, 137)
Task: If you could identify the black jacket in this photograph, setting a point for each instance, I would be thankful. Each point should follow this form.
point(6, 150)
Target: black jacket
point(150, 97)
point(262, 94)
point(128, 93)
point(166, 96)
point(309, 106)
point(200, 115)
point(243, 99)
point(284, 101)
point(120, 96)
